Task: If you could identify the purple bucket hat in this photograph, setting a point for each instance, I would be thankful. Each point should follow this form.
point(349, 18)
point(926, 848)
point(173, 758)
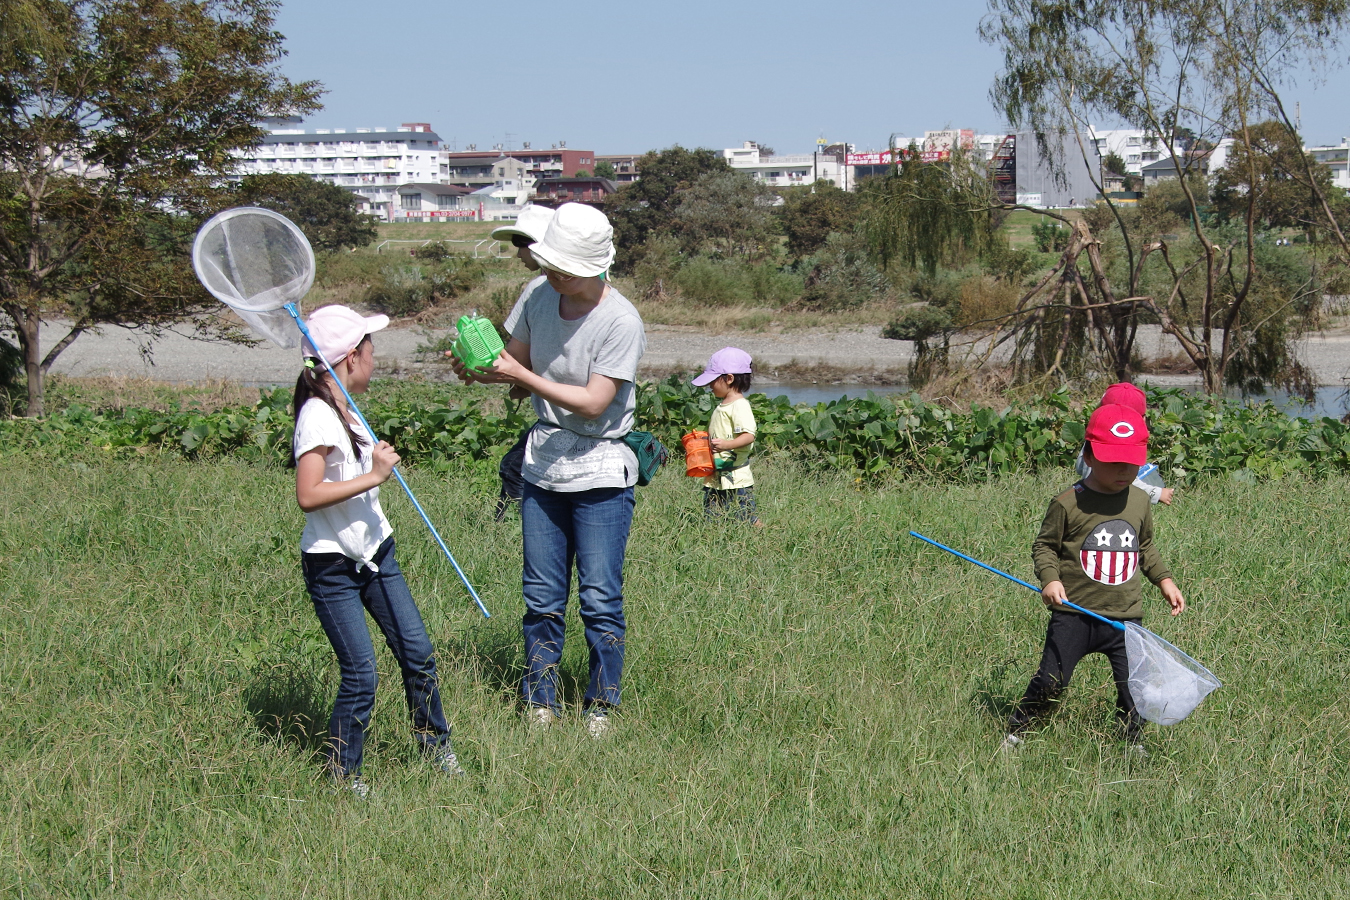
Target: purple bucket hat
point(727, 361)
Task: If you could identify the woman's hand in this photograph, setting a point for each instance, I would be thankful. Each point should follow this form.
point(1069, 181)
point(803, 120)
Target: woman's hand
point(505, 369)
point(462, 372)
point(383, 459)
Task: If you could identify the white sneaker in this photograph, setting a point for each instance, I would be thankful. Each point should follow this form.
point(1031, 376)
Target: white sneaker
point(357, 788)
point(1136, 751)
point(540, 718)
point(445, 760)
point(1011, 743)
point(598, 725)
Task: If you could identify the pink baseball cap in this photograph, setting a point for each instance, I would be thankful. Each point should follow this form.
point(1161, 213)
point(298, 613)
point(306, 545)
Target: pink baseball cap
point(1118, 434)
point(727, 361)
point(1125, 394)
point(337, 330)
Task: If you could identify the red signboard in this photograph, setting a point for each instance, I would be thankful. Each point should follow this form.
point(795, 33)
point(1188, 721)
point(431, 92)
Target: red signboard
point(440, 213)
point(883, 157)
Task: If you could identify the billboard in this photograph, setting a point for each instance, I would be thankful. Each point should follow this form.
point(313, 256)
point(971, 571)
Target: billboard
point(884, 157)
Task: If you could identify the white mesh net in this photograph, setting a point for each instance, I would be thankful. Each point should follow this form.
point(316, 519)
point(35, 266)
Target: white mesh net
point(256, 261)
point(1165, 683)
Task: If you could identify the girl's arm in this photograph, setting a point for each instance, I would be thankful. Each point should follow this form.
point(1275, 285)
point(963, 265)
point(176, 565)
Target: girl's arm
point(744, 439)
point(313, 493)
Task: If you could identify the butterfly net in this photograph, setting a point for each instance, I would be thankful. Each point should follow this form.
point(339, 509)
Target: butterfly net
point(256, 261)
point(1165, 683)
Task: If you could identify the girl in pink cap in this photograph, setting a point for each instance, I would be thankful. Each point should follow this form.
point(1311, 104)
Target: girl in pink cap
point(348, 548)
point(1127, 395)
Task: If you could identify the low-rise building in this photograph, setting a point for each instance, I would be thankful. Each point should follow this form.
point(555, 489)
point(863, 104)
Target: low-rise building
point(556, 162)
point(784, 171)
point(432, 202)
point(1335, 158)
point(555, 191)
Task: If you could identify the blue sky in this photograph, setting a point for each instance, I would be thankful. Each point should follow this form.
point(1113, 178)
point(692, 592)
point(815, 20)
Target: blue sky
point(625, 78)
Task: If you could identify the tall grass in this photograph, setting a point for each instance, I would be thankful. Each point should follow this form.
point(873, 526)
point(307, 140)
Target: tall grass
point(810, 709)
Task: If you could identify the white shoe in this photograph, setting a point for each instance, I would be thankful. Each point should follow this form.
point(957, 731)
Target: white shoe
point(1136, 751)
point(1011, 743)
point(540, 718)
point(598, 725)
point(446, 761)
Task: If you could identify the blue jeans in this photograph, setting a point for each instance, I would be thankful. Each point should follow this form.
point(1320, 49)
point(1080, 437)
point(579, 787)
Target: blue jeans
point(342, 596)
point(589, 528)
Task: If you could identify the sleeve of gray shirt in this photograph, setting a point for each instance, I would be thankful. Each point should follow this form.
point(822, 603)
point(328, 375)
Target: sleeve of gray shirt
point(517, 324)
point(622, 349)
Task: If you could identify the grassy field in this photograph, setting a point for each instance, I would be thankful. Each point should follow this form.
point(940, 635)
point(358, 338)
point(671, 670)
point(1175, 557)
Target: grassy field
point(811, 709)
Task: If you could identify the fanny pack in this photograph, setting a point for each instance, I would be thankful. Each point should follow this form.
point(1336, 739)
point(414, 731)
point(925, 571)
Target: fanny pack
point(651, 454)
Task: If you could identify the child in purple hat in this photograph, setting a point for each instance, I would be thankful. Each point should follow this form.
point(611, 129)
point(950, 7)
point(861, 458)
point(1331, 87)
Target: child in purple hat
point(731, 433)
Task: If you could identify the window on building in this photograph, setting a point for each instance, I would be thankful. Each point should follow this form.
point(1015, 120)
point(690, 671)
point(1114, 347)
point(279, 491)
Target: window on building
point(412, 201)
point(446, 201)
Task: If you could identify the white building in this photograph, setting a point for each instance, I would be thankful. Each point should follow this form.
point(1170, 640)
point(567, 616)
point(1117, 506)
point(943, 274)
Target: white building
point(370, 161)
point(1335, 158)
point(784, 171)
point(1137, 148)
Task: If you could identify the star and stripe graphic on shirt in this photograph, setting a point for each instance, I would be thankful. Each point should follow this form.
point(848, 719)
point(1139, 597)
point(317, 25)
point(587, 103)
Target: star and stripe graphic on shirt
point(1110, 554)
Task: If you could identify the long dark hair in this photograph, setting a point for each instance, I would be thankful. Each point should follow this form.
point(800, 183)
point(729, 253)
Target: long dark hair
point(312, 383)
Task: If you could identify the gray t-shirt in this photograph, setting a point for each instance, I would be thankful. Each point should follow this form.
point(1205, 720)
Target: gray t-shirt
point(609, 340)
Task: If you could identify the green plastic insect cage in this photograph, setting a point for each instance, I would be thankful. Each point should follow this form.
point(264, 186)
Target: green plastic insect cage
point(478, 343)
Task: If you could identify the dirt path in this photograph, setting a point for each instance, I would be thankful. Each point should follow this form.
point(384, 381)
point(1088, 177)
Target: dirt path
point(856, 355)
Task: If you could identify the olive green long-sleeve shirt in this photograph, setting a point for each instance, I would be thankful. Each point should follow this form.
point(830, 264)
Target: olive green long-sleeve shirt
point(1096, 545)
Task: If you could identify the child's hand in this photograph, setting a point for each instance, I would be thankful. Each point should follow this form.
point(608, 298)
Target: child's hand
point(1053, 594)
point(717, 444)
point(383, 460)
point(1173, 596)
point(1166, 496)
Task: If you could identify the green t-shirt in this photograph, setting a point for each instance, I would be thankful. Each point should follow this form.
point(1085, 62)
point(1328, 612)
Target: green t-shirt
point(1097, 544)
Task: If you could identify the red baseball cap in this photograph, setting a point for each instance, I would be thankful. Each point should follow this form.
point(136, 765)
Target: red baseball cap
point(1118, 434)
point(1125, 394)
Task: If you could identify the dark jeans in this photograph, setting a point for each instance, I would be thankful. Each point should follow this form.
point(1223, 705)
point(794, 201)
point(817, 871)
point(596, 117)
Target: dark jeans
point(739, 502)
point(342, 596)
point(589, 528)
point(513, 477)
point(1068, 638)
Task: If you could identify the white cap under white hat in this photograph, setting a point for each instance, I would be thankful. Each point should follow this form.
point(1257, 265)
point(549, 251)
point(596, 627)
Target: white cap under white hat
point(530, 224)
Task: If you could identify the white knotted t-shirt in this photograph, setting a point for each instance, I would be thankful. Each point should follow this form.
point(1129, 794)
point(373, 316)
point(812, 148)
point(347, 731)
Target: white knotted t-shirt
point(355, 527)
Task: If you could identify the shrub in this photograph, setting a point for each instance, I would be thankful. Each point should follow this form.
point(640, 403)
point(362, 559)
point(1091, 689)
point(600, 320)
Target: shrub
point(408, 290)
point(841, 275)
point(1050, 236)
point(724, 282)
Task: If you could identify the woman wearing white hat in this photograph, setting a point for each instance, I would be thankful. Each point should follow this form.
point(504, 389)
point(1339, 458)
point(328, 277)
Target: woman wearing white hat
point(575, 345)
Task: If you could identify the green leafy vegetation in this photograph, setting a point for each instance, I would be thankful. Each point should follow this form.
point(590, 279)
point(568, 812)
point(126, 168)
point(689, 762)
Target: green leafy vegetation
point(876, 436)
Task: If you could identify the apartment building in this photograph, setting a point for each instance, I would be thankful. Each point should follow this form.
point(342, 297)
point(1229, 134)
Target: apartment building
point(369, 161)
point(1335, 158)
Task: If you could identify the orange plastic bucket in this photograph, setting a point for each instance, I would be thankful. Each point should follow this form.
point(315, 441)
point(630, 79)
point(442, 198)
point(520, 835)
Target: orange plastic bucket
point(698, 460)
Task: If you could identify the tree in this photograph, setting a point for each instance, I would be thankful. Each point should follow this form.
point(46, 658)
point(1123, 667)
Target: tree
point(118, 121)
point(605, 169)
point(325, 212)
point(811, 214)
point(1190, 72)
point(1269, 171)
point(581, 173)
point(726, 214)
point(927, 214)
point(642, 207)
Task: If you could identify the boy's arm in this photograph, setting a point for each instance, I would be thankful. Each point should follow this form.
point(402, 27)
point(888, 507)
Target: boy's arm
point(1045, 549)
point(1154, 569)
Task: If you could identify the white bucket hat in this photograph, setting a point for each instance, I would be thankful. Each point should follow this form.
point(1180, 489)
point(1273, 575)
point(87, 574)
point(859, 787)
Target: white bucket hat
point(531, 224)
point(579, 241)
point(337, 330)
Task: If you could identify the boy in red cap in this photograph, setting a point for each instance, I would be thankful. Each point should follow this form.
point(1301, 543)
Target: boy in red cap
point(1096, 539)
point(1125, 394)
